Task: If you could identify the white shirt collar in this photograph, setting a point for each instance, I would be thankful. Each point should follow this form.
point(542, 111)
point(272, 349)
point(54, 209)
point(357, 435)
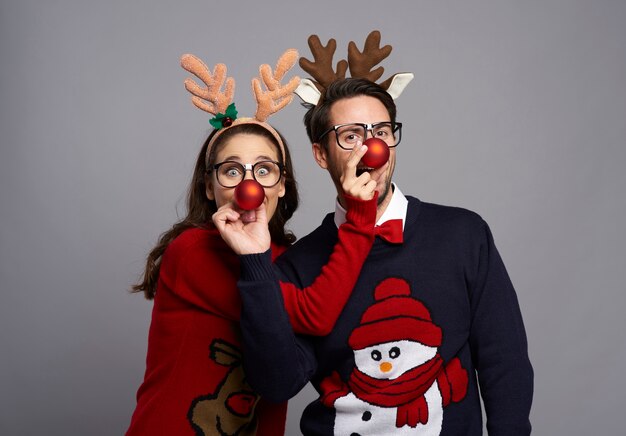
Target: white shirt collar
point(396, 209)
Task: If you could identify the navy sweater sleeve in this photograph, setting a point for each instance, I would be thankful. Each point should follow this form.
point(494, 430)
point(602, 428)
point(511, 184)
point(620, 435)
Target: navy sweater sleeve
point(285, 361)
point(454, 269)
point(499, 346)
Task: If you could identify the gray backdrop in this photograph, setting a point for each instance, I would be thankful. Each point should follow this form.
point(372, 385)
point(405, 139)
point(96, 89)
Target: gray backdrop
point(517, 111)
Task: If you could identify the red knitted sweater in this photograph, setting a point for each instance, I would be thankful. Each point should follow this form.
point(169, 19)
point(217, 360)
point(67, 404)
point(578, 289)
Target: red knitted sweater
point(194, 382)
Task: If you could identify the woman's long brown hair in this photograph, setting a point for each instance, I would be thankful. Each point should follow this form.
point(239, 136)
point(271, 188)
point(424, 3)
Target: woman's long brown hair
point(200, 209)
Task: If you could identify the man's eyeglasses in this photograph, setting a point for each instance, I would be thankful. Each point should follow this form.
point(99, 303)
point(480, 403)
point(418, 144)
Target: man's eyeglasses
point(230, 173)
point(349, 134)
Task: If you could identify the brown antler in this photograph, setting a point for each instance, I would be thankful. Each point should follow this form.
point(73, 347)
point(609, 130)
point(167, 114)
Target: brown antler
point(322, 68)
point(277, 96)
point(209, 98)
point(361, 63)
point(361, 66)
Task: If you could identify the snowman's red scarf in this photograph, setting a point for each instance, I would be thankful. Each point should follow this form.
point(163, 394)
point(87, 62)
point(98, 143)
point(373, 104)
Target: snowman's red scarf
point(406, 392)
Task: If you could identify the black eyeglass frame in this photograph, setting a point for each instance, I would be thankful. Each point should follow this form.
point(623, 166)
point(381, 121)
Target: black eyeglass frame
point(248, 167)
point(395, 127)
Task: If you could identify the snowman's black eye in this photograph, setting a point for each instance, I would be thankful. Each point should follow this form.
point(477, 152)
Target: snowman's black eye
point(366, 416)
point(376, 355)
point(394, 352)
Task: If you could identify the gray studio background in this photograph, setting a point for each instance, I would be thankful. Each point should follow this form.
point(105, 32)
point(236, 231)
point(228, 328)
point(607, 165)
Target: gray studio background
point(517, 111)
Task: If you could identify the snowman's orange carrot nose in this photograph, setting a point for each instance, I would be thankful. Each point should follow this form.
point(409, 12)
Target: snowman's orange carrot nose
point(386, 366)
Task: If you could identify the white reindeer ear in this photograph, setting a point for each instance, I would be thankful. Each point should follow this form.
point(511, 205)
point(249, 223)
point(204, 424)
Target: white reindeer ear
point(308, 92)
point(398, 83)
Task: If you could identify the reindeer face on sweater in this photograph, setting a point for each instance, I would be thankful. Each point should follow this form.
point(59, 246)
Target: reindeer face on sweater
point(230, 409)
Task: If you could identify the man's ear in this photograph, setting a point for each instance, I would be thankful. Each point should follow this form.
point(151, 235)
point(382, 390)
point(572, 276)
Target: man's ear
point(208, 187)
point(320, 154)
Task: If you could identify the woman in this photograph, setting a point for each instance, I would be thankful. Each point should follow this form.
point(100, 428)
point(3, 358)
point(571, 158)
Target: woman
point(194, 382)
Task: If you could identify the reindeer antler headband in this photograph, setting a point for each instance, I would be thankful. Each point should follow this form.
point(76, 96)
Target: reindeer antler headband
point(213, 100)
point(360, 64)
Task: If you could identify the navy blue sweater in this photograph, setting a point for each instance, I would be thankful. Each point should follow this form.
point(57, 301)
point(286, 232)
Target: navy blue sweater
point(428, 322)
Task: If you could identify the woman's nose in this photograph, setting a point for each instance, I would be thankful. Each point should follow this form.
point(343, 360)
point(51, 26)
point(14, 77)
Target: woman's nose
point(247, 175)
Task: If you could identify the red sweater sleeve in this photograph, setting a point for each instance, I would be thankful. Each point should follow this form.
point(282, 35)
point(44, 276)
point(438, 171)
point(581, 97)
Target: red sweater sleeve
point(315, 309)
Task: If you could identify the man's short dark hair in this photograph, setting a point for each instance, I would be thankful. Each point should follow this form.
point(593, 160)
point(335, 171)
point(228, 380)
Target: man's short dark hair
point(317, 117)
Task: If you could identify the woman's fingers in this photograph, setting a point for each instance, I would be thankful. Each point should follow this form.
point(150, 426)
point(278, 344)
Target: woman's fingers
point(224, 215)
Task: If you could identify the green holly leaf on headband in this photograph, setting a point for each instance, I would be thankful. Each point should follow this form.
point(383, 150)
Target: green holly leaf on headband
point(219, 120)
point(231, 111)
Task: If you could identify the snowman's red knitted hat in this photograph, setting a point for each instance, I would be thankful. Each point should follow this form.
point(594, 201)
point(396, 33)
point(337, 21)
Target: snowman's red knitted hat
point(395, 316)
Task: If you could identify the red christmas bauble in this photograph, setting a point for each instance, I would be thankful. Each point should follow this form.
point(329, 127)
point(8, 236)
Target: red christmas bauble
point(377, 153)
point(249, 194)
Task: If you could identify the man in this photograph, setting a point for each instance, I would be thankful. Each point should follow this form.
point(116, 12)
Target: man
point(433, 322)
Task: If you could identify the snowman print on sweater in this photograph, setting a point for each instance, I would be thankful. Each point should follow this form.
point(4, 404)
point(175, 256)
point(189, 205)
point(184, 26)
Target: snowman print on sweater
point(400, 384)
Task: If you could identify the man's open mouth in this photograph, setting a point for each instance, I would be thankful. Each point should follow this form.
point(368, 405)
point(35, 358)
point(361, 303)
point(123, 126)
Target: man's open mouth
point(361, 170)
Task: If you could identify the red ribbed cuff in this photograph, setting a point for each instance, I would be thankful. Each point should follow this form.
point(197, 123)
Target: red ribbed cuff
point(361, 212)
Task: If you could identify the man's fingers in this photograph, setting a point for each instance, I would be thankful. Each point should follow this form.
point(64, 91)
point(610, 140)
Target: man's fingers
point(348, 178)
point(356, 154)
point(363, 179)
point(370, 187)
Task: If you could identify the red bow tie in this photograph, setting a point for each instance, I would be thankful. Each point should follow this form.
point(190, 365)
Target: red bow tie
point(390, 231)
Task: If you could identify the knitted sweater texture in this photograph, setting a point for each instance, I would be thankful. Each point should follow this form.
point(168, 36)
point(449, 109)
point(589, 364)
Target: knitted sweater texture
point(194, 382)
point(430, 321)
